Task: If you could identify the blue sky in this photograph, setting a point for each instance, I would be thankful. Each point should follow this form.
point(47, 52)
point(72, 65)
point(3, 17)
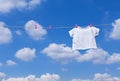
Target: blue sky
point(28, 53)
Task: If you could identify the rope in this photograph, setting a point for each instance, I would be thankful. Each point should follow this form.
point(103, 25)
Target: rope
point(57, 27)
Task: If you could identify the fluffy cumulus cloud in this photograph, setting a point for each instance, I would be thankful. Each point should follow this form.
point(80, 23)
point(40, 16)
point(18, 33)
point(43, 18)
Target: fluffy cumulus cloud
point(56, 77)
point(114, 58)
point(8, 5)
point(64, 54)
point(97, 56)
point(46, 77)
point(100, 77)
point(35, 30)
point(26, 54)
point(2, 75)
point(61, 53)
point(10, 63)
point(5, 34)
point(115, 34)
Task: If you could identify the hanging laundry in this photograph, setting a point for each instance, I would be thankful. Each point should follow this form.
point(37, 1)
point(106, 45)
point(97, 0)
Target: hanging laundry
point(84, 38)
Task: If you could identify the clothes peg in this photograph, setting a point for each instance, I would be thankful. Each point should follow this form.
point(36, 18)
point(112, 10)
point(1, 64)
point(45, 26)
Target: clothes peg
point(76, 26)
point(91, 25)
point(36, 27)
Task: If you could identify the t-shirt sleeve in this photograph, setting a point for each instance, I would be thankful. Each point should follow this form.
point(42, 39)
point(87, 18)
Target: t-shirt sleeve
point(96, 31)
point(71, 33)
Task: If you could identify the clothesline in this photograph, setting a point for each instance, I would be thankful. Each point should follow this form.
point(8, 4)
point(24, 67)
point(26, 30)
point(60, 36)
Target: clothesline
point(58, 27)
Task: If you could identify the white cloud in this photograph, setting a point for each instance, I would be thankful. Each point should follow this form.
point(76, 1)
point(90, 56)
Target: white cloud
point(105, 77)
point(56, 77)
point(100, 77)
point(46, 77)
point(49, 77)
point(114, 58)
point(8, 5)
point(97, 56)
point(33, 3)
point(5, 34)
point(10, 63)
point(2, 75)
point(35, 30)
point(1, 64)
point(61, 53)
point(115, 34)
point(26, 54)
point(64, 54)
point(100, 56)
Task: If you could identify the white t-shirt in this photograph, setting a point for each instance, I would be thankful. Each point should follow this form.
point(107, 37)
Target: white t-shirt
point(84, 38)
